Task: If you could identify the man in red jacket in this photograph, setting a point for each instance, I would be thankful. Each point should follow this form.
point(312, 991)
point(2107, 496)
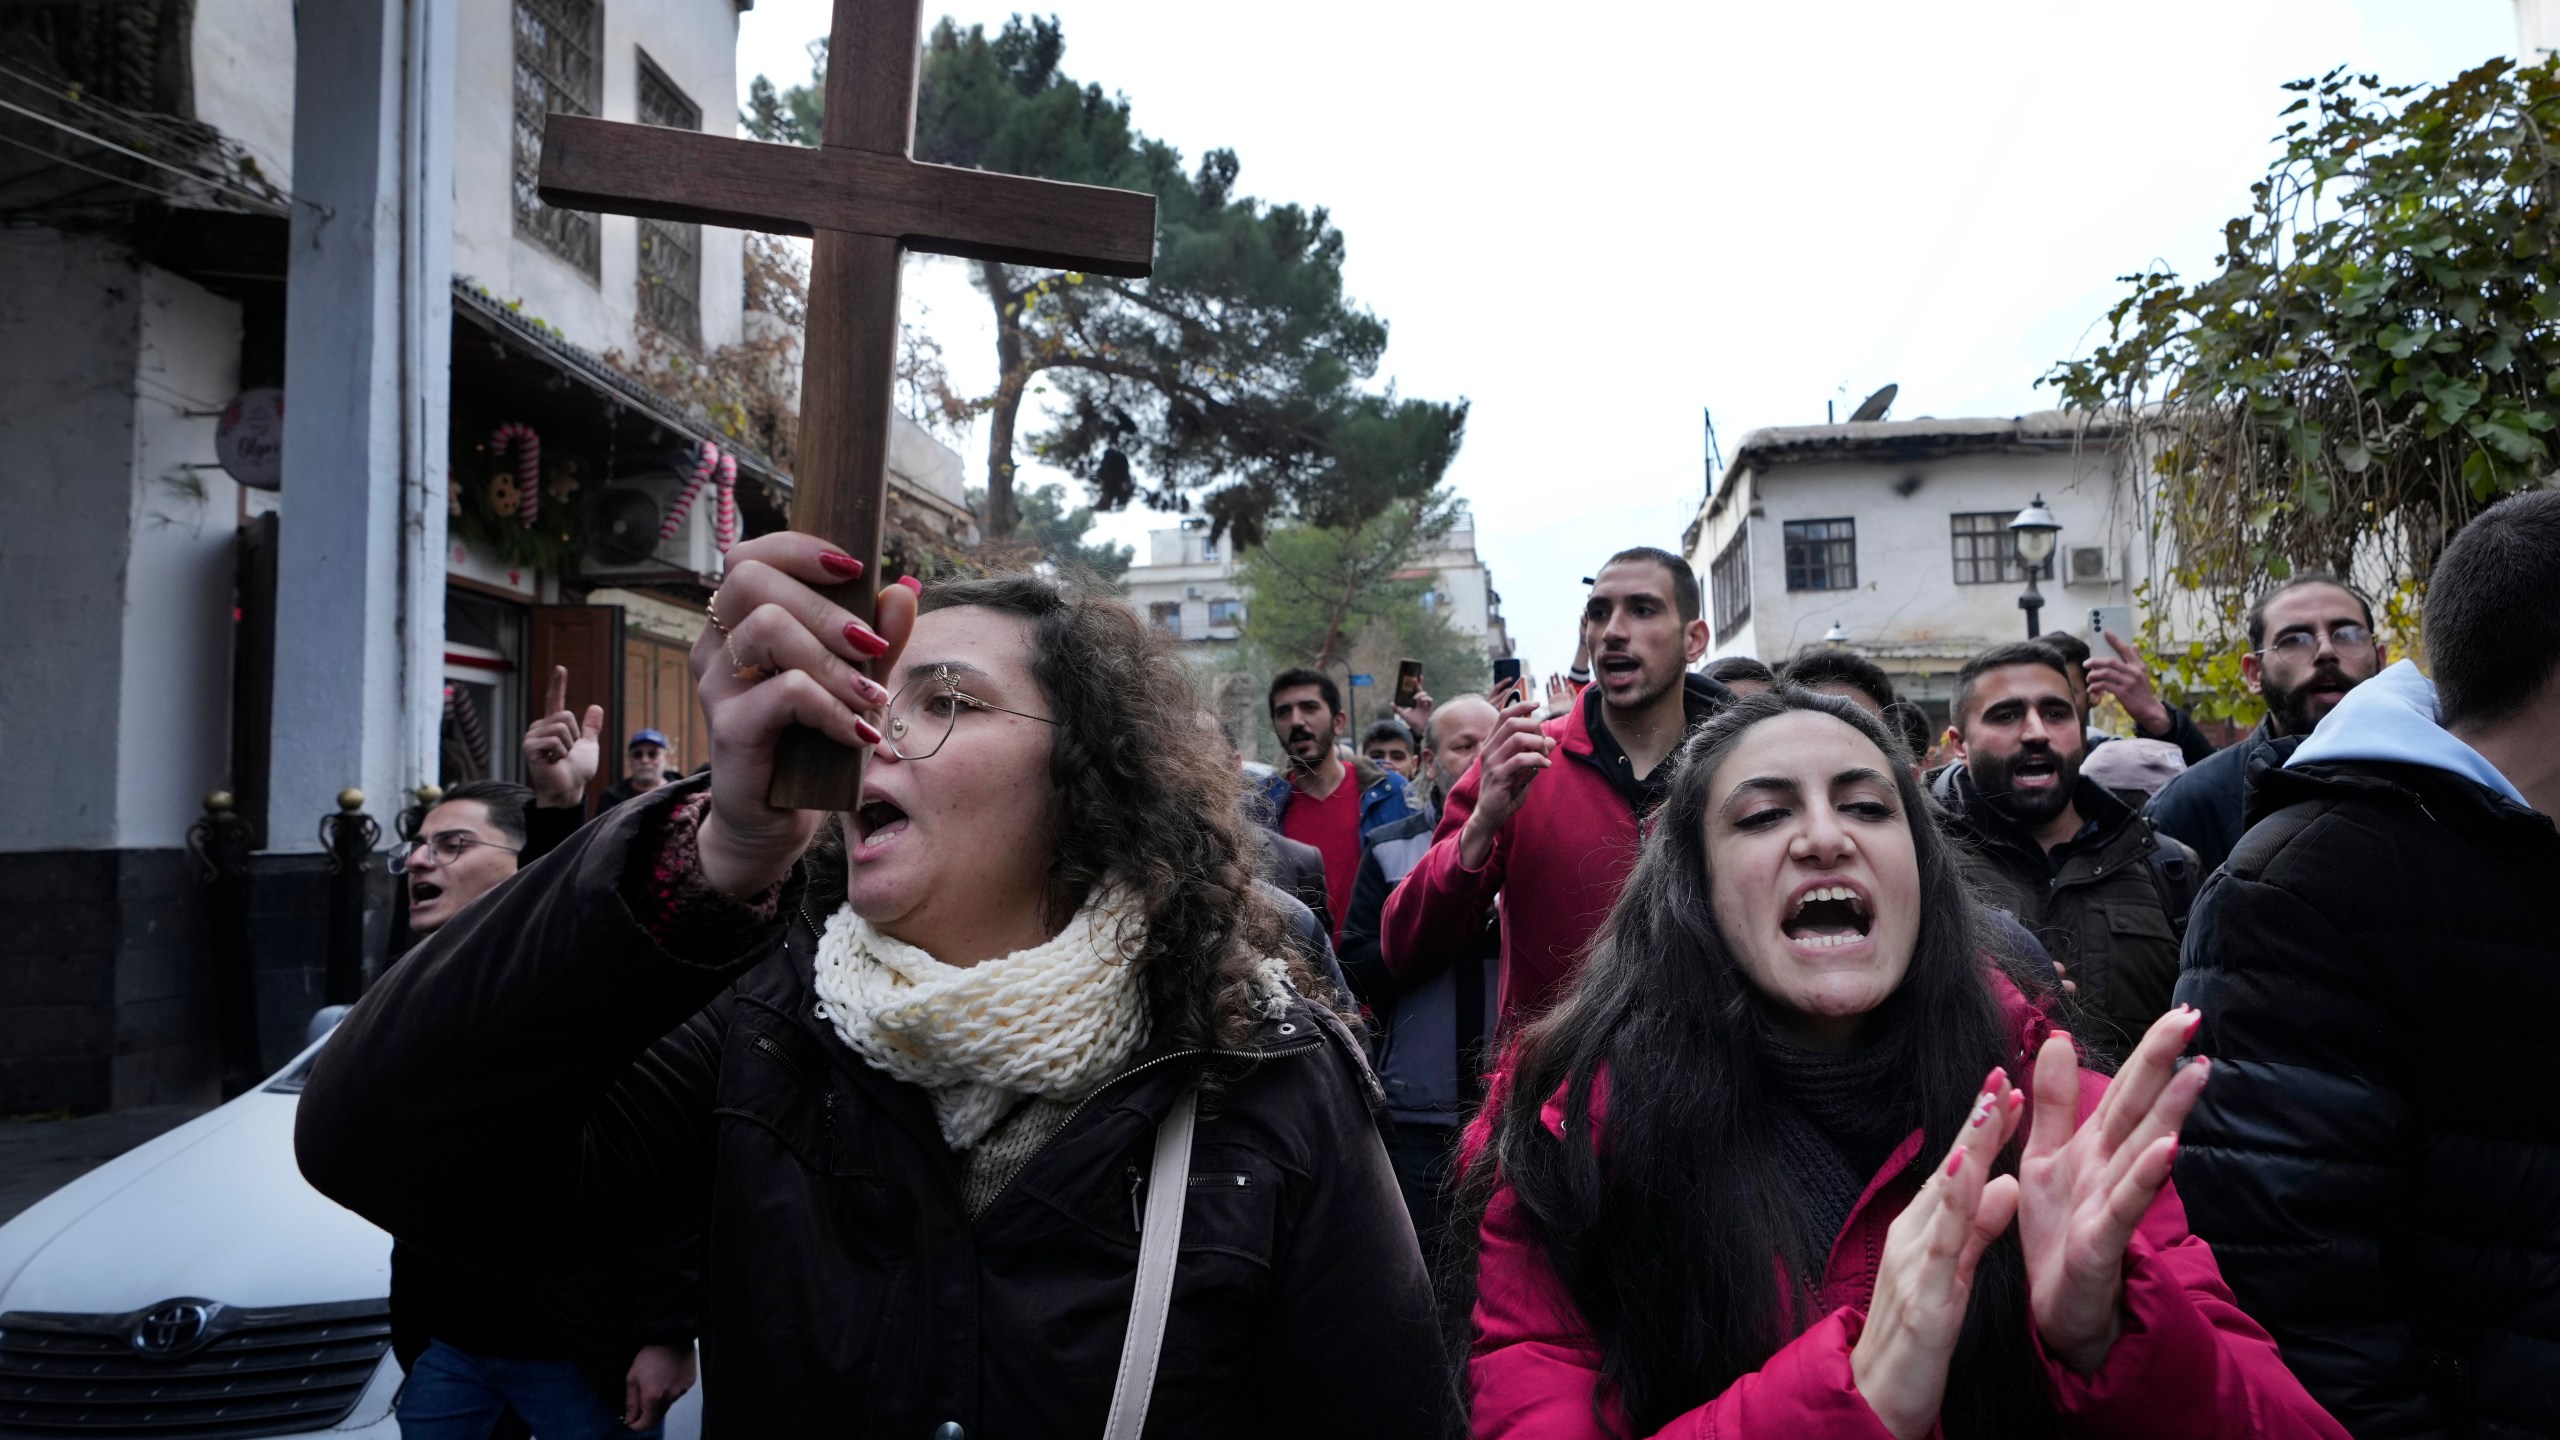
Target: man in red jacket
point(1554, 848)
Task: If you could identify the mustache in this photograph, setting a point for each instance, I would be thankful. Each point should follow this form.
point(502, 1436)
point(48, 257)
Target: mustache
point(1300, 732)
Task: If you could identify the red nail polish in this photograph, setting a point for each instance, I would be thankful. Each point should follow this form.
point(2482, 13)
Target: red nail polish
point(2017, 1098)
point(870, 733)
point(839, 563)
point(859, 636)
point(1998, 1077)
point(1955, 1163)
point(912, 583)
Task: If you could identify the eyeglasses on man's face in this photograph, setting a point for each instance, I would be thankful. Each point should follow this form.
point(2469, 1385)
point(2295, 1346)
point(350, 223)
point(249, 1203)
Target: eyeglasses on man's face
point(448, 845)
point(2344, 637)
point(927, 709)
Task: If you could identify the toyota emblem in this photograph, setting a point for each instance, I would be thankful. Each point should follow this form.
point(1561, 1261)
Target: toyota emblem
point(172, 1329)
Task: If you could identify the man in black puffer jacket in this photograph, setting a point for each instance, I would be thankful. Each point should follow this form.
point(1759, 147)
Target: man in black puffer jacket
point(2377, 1159)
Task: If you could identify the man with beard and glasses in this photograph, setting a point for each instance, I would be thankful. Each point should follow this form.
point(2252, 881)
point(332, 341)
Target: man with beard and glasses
point(1324, 799)
point(2311, 641)
point(2377, 969)
point(1549, 819)
point(2092, 880)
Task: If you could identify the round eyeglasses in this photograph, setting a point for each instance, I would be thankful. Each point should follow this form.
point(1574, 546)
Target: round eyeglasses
point(2300, 643)
point(449, 845)
point(927, 709)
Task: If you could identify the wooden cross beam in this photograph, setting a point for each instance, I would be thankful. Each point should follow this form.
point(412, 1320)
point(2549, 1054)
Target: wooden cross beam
point(867, 202)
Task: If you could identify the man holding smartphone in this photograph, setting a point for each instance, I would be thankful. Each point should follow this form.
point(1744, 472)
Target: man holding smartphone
point(1549, 818)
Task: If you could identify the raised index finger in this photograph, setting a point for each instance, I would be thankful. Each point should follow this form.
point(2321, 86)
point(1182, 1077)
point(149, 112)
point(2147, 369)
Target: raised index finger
point(559, 700)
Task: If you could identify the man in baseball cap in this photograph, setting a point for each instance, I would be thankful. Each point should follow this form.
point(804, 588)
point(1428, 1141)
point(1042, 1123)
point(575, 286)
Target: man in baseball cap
point(647, 770)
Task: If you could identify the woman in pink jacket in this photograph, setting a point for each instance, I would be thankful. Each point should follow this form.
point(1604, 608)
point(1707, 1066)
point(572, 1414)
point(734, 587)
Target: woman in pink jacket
point(1763, 1171)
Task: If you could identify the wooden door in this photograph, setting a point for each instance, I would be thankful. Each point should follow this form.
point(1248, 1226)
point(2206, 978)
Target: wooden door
point(659, 685)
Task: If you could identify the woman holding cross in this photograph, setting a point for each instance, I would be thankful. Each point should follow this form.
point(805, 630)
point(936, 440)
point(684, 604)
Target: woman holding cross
point(923, 1079)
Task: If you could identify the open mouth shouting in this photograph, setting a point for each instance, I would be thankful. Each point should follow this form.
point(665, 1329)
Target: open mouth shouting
point(1828, 916)
point(423, 892)
point(875, 825)
point(1618, 669)
point(2035, 770)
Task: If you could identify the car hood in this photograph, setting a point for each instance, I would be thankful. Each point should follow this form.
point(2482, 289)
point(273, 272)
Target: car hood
point(215, 1209)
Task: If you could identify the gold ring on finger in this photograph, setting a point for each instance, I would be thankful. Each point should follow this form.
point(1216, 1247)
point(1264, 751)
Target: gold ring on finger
point(743, 671)
point(711, 607)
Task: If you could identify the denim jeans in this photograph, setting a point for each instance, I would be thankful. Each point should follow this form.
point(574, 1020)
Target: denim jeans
point(455, 1395)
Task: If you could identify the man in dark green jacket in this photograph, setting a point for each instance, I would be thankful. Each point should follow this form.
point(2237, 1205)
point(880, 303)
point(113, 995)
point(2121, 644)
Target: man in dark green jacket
point(2104, 892)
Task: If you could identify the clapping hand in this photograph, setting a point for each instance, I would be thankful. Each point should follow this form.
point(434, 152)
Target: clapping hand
point(1925, 1278)
point(2084, 1187)
point(561, 751)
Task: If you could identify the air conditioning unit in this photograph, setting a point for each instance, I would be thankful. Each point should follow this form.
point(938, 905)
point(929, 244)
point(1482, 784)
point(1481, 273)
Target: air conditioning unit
point(2090, 565)
point(630, 514)
point(1192, 592)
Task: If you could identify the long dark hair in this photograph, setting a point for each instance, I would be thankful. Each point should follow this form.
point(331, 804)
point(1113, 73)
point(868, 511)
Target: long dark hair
point(1143, 799)
point(1677, 1234)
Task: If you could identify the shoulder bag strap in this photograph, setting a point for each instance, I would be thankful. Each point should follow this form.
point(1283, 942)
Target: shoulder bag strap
point(1168, 1186)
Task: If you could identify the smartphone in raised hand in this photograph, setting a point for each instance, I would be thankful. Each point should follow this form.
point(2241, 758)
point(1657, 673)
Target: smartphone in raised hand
point(2103, 618)
point(1506, 681)
point(1408, 683)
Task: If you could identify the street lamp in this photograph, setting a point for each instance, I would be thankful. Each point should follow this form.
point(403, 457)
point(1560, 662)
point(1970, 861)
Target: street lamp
point(2033, 533)
point(1836, 636)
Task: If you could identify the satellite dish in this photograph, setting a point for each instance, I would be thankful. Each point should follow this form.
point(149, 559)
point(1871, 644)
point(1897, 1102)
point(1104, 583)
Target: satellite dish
point(1874, 406)
point(627, 530)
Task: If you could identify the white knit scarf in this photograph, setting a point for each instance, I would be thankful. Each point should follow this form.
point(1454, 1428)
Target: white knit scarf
point(1054, 1020)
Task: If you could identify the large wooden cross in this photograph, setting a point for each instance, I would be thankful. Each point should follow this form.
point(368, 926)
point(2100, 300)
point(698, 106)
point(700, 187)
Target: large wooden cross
point(866, 201)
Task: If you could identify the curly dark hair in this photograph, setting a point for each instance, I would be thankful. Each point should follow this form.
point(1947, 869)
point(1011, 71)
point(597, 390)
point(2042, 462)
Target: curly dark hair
point(1145, 798)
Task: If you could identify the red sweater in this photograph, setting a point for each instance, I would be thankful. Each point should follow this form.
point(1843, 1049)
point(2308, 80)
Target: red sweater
point(1557, 866)
point(2189, 1365)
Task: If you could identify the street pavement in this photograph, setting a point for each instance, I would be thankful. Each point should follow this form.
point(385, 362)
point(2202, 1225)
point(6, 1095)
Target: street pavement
point(38, 1157)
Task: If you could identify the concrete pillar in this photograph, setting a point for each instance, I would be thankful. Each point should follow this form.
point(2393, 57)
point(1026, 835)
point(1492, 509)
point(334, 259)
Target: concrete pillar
point(360, 624)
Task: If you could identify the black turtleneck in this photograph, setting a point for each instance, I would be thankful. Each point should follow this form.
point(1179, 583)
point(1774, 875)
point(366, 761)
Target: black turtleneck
point(1837, 1116)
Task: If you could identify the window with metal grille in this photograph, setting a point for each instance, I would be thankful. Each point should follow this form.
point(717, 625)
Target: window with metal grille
point(1729, 578)
point(1822, 554)
point(1226, 612)
point(1986, 553)
point(1167, 617)
point(557, 42)
point(670, 251)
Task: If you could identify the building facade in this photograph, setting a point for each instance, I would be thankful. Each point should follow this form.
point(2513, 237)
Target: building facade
point(1897, 533)
point(1189, 587)
point(325, 217)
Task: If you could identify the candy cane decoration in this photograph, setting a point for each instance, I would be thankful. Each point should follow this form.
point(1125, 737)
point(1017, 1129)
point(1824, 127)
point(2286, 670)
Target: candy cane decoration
point(724, 529)
point(692, 486)
point(528, 466)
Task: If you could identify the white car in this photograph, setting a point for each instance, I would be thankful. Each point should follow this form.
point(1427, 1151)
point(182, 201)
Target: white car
point(197, 1286)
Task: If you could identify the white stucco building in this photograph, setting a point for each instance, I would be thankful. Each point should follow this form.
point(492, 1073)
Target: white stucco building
point(1188, 587)
point(336, 201)
point(1897, 531)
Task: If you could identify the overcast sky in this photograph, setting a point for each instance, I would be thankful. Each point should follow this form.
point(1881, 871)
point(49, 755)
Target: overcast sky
point(1596, 231)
